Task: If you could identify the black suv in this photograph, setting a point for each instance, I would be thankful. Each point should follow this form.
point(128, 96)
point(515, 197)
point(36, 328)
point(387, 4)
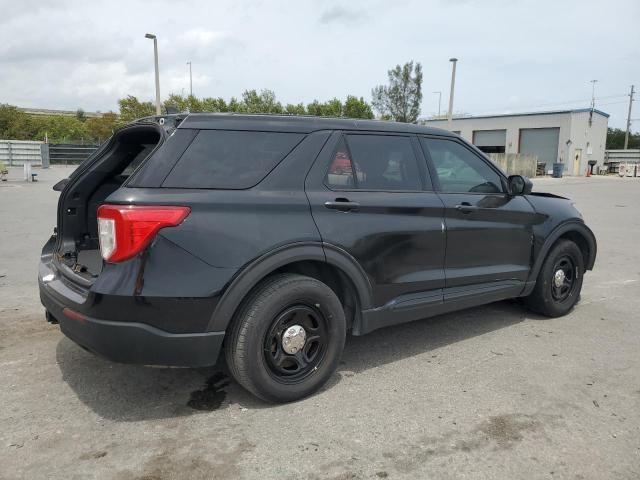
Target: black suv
point(271, 237)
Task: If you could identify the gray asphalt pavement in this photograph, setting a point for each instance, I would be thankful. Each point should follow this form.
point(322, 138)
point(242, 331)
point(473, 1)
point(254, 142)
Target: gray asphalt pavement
point(494, 392)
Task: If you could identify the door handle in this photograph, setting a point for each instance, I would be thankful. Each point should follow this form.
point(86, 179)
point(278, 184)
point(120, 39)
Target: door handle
point(466, 207)
point(342, 205)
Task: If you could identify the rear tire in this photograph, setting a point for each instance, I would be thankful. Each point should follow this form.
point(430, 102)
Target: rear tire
point(559, 281)
point(287, 338)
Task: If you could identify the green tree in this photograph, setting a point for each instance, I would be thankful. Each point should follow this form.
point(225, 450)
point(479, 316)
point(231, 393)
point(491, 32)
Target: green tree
point(355, 107)
point(131, 109)
point(9, 117)
point(401, 98)
point(60, 129)
point(297, 109)
point(315, 108)
point(101, 128)
point(210, 104)
point(193, 104)
point(263, 102)
point(180, 103)
point(17, 125)
point(615, 139)
point(80, 115)
point(332, 108)
point(235, 106)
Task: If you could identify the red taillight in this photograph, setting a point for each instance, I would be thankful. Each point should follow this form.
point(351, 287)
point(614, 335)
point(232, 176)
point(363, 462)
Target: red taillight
point(73, 315)
point(125, 230)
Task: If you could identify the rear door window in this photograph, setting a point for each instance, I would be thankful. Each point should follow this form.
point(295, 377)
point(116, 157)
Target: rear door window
point(375, 162)
point(223, 159)
point(340, 174)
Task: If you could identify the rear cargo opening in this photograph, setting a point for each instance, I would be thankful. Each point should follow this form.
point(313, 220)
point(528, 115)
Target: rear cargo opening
point(78, 247)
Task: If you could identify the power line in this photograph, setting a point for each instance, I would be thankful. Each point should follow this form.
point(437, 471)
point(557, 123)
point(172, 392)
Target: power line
point(613, 103)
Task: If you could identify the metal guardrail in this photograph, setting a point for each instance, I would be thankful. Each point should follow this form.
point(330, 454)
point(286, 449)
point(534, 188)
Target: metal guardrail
point(16, 152)
point(613, 158)
point(65, 153)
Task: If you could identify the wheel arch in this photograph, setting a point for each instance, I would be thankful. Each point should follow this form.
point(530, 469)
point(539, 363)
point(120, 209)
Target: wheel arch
point(575, 231)
point(327, 263)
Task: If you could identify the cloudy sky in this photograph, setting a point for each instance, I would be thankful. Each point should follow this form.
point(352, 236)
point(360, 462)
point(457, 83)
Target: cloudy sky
point(514, 55)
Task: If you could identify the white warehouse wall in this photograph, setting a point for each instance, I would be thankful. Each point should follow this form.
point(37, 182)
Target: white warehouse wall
point(589, 138)
point(573, 126)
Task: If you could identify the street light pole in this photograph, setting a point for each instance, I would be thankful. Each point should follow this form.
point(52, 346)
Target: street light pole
point(439, 101)
point(155, 57)
point(454, 61)
point(593, 94)
point(190, 80)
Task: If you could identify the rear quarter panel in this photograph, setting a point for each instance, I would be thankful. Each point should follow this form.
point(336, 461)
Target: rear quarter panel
point(229, 228)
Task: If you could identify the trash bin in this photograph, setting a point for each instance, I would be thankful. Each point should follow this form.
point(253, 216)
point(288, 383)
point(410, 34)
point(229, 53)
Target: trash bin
point(557, 170)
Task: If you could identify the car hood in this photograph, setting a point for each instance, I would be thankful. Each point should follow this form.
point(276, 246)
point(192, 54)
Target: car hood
point(547, 195)
point(554, 208)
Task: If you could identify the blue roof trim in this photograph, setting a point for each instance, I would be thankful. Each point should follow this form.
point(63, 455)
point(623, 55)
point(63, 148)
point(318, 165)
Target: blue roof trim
point(524, 114)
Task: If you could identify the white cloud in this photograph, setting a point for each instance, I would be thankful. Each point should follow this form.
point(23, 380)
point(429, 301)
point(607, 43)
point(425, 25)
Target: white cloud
point(337, 13)
point(70, 53)
point(200, 37)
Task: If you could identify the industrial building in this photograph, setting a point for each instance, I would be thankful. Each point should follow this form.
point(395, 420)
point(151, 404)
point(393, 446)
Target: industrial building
point(570, 137)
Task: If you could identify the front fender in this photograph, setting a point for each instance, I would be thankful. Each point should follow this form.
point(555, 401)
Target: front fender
point(575, 227)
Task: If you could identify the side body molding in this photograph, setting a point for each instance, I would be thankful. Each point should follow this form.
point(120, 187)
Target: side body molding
point(252, 273)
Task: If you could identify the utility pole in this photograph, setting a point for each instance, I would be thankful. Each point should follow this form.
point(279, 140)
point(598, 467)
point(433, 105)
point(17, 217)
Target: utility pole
point(626, 135)
point(439, 101)
point(593, 94)
point(454, 61)
point(190, 80)
point(593, 101)
point(155, 57)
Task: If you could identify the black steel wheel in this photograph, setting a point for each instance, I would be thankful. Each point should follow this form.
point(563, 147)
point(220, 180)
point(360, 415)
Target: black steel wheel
point(559, 281)
point(296, 343)
point(287, 338)
point(564, 278)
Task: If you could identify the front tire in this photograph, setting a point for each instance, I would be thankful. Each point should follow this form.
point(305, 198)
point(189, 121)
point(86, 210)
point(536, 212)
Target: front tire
point(287, 339)
point(559, 281)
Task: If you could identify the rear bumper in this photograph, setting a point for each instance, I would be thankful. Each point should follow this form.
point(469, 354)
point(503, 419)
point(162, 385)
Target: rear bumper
point(130, 342)
point(117, 325)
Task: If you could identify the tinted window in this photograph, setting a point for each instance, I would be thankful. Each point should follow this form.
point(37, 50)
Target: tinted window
point(145, 150)
point(460, 170)
point(375, 162)
point(230, 159)
point(340, 173)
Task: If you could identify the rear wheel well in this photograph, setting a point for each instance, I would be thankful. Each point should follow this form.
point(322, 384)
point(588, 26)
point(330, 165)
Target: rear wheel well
point(580, 241)
point(331, 276)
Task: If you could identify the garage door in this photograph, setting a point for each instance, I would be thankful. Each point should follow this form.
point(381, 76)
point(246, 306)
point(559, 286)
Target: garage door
point(542, 142)
point(490, 141)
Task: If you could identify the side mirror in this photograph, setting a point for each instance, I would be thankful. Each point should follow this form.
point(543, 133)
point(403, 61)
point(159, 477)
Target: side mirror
point(519, 185)
point(58, 187)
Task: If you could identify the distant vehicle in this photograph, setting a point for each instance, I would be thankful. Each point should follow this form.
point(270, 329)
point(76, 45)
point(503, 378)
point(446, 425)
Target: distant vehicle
point(271, 237)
